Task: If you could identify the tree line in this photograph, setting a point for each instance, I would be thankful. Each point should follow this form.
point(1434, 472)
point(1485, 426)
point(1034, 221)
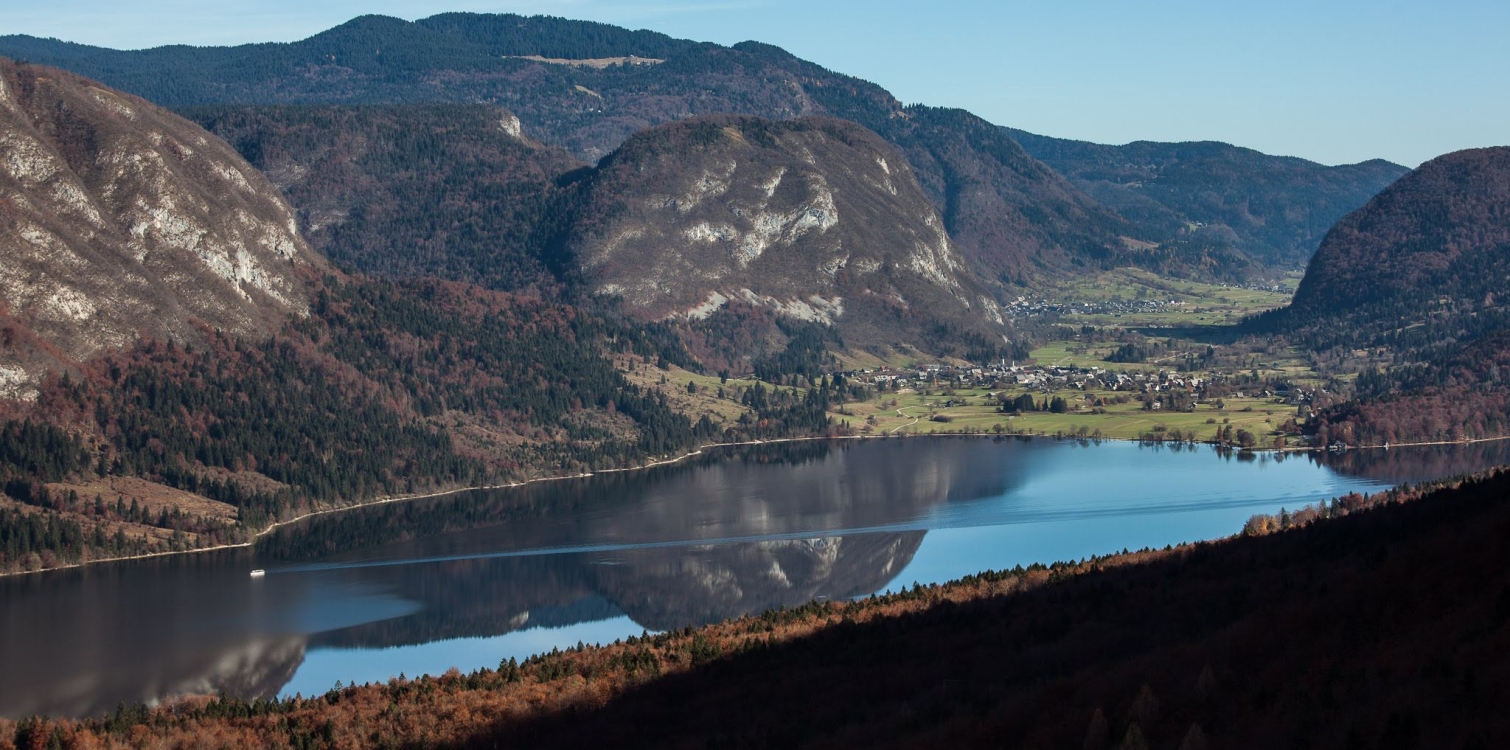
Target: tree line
point(361, 398)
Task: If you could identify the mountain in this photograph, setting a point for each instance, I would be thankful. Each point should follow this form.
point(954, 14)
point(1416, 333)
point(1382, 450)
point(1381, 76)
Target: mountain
point(1414, 286)
point(180, 369)
point(818, 220)
point(587, 87)
point(120, 220)
point(1422, 264)
point(1273, 209)
point(777, 209)
point(1013, 218)
point(446, 190)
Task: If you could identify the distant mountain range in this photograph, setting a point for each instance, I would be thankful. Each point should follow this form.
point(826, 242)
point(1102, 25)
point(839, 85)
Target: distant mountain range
point(587, 87)
point(1272, 210)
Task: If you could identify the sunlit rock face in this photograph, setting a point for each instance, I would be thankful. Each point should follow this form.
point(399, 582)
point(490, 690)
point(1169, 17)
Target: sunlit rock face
point(119, 219)
point(816, 220)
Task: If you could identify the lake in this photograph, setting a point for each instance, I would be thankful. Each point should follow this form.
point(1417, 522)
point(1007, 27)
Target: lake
point(471, 578)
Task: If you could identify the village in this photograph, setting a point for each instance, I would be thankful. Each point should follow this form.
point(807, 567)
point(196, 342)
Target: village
point(1151, 405)
point(1047, 379)
point(1031, 307)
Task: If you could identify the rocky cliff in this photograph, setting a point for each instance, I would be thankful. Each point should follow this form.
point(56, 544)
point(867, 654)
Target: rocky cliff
point(120, 220)
point(818, 220)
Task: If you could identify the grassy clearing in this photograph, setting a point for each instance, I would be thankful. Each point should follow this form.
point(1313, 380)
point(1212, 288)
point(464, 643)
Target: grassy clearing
point(1078, 354)
point(975, 410)
point(1206, 315)
point(1204, 304)
point(673, 383)
point(1288, 364)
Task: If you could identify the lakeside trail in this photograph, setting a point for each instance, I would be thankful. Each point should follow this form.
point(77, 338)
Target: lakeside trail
point(383, 500)
point(899, 428)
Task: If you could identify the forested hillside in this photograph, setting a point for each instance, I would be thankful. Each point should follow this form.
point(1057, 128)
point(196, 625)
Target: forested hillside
point(1237, 205)
point(451, 191)
point(1423, 263)
point(1376, 621)
point(385, 388)
point(1416, 280)
point(1460, 393)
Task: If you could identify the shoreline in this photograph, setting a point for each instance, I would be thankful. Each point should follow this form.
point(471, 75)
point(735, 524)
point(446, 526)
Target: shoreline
point(700, 450)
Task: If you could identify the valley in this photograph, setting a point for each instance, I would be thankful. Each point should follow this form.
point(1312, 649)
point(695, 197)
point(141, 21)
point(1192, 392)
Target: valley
point(1198, 362)
point(600, 372)
point(769, 325)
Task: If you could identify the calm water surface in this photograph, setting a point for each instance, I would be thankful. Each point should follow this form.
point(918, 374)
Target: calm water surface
point(469, 579)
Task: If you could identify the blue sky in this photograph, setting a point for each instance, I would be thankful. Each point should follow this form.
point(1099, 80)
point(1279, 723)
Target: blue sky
point(1337, 82)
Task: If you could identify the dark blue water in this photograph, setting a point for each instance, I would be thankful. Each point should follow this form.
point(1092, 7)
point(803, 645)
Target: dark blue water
point(469, 579)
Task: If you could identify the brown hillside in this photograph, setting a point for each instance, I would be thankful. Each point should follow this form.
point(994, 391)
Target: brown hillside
point(1430, 251)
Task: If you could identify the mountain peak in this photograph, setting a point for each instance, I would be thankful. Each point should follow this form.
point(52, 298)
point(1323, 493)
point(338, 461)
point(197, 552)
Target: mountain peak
point(1430, 252)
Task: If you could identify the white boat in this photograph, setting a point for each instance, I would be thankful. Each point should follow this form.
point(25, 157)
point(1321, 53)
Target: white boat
point(258, 573)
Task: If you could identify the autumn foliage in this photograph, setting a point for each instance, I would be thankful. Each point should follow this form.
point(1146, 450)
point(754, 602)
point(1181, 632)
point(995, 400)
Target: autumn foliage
point(385, 388)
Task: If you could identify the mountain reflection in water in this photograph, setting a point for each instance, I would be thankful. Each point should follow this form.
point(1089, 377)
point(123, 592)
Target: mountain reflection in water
point(363, 594)
point(683, 545)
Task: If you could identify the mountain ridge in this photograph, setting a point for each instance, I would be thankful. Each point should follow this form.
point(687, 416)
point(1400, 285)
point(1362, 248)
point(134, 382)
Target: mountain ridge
point(1016, 222)
point(1014, 219)
point(1273, 209)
